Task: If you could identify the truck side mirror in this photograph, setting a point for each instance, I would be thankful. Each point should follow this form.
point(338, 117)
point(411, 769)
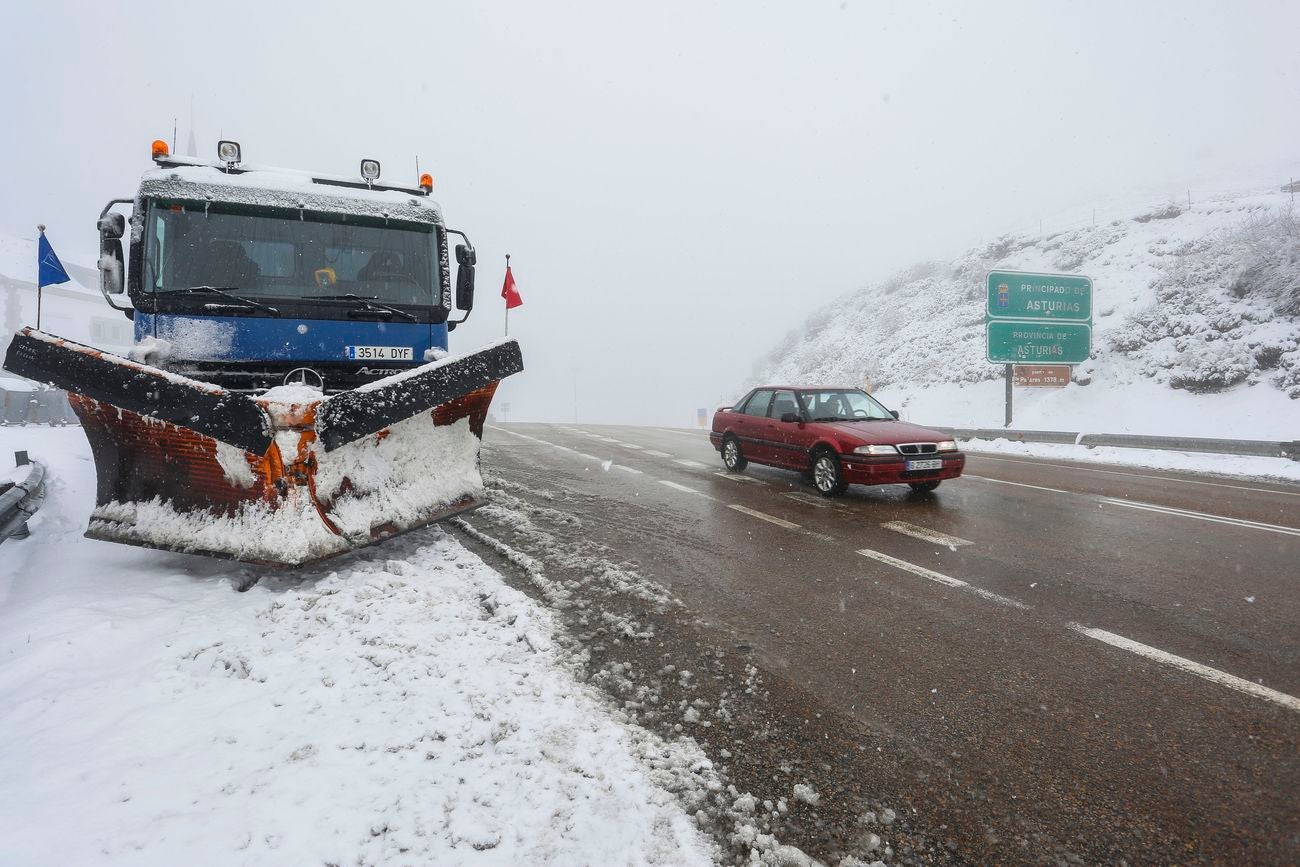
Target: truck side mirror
point(112, 225)
point(466, 258)
point(112, 270)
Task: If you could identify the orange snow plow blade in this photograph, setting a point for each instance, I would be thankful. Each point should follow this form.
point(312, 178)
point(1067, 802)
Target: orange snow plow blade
point(185, 466)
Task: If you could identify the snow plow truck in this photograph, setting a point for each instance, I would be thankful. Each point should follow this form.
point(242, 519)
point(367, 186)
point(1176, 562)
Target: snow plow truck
point(289, 396)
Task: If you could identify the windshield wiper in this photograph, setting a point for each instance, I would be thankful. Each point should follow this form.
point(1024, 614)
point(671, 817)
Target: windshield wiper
point(224, 293)
point(366, 303)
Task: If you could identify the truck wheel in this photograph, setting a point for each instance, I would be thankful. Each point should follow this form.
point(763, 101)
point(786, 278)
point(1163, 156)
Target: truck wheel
point(828, 478)
point(731, 456)
point(923, 487)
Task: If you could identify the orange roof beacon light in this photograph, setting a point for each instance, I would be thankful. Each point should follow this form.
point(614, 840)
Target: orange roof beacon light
point(159, 148)
point(426, 183)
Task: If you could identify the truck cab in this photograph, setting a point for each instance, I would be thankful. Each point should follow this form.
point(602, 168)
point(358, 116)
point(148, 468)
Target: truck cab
point(250, 277)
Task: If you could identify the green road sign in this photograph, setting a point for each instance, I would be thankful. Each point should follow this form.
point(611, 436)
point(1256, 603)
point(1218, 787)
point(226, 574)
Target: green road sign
point(1024, 295)
point(1042, 342)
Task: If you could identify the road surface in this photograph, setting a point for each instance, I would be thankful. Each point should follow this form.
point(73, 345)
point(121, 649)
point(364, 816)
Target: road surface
point(1039, 662)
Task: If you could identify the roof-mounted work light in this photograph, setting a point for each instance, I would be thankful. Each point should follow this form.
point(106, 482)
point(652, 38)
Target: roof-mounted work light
point(228, 153)
point(159, 148)
point(426, 183)
point(370, 170)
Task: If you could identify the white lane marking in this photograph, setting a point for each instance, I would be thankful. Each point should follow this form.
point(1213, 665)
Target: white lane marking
point(940, 578)
point(809, 499)
point(1211, 674)
point(1202, 516)
point(588, 457)
point(925, 534)
point(658, 454)
point(695, 465)
point(630, 446)
point(985, 457)
point(1018, 484)
point(677, 487)
point(763, 516)
point(607, 440)
point(739, 478)
point(628, 469)
point(683, 433)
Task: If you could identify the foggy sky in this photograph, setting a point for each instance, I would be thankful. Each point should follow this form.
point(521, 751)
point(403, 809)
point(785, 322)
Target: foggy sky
point(679, 184)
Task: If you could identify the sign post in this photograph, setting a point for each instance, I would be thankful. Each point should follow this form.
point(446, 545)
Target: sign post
point(1041, 322)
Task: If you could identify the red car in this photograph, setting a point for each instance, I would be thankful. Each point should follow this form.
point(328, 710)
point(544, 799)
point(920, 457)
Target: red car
point(842, 436)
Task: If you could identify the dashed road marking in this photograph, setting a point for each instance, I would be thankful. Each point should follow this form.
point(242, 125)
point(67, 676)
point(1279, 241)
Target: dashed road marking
point(940, 578)
point(658, 454)
point(631, 470)
point(1211, 674)
point(925, 534)
point(736, 477)
point(630, 446)
point(682, 433)
point(588, 457)
point(1202, 516)
point(764, 516)
point(1017, 484)
point(695, 465)
point(677, 487)
point(809, 499)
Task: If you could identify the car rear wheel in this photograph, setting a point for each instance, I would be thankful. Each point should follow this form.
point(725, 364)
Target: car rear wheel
point(923, 487)
point(827, 475)
point(731, 456)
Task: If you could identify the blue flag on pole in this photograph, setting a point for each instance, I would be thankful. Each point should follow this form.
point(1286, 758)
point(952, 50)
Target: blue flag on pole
point(51, 269)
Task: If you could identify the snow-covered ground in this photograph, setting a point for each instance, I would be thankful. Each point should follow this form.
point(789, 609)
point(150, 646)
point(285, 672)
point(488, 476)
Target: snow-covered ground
point(1196, 327)
point(402, 705)
point(1242, 466)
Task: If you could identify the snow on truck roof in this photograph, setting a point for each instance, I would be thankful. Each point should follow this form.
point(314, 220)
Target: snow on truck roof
point(285, 188)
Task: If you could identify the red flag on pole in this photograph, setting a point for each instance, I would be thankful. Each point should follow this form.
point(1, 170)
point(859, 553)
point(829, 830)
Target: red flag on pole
point(509, 292)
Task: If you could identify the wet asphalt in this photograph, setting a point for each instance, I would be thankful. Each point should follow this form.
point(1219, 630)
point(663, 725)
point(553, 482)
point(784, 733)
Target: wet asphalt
point(963, 673)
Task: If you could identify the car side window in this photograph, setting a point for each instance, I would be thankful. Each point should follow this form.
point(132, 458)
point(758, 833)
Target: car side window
point(757, 405)
point(783, 402)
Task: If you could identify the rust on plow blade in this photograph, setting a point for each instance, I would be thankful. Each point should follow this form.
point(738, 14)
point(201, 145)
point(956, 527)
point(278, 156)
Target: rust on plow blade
point(401, 454)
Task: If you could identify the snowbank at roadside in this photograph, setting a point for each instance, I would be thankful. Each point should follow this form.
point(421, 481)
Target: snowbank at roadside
point(1281, 469)
point(403, 706)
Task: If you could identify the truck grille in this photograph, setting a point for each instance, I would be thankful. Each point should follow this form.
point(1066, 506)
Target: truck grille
point(918, 448)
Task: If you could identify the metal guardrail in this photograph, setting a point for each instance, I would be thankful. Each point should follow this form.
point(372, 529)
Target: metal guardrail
point(19, 501)
point(1253, 448)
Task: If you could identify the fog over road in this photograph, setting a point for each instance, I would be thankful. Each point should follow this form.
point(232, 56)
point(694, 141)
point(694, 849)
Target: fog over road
point(1037, 661)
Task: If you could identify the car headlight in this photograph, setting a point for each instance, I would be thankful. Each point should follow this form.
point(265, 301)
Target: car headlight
point(875, 450)
point(947, 446)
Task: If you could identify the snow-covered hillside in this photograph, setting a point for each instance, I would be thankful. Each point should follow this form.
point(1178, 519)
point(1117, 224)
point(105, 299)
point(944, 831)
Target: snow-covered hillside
point(1196, 327)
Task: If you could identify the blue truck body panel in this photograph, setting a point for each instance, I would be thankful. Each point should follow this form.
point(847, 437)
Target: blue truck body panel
point(244, 338)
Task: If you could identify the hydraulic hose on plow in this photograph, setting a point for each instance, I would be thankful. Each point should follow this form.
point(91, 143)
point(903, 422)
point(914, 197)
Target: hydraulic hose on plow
point(187, 466)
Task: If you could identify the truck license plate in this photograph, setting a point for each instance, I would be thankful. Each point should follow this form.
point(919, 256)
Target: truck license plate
point(925, 465)
point(381, 353)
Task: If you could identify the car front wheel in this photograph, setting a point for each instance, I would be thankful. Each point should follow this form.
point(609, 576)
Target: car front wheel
point(731, 456)
point(828, 477)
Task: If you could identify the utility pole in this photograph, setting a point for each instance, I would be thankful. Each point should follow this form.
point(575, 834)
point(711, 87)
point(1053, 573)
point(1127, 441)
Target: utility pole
point(1010, 379)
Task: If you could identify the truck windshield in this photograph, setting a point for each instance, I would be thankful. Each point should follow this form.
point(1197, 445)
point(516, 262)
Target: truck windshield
point(273, 255)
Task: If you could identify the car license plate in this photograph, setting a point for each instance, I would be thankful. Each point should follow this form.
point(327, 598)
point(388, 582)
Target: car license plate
point(381, 353)
point(934, 464)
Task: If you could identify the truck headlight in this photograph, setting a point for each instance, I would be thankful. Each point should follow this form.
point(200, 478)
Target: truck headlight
point(875, 450)
point(947, 446)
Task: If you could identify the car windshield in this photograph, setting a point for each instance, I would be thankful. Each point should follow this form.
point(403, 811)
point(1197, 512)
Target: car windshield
point(266, 255)
point(842, 404)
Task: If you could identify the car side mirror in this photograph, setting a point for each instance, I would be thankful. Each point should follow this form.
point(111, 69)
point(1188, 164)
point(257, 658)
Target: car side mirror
point(788, 417)
point(894, 413)
point(466, 258)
